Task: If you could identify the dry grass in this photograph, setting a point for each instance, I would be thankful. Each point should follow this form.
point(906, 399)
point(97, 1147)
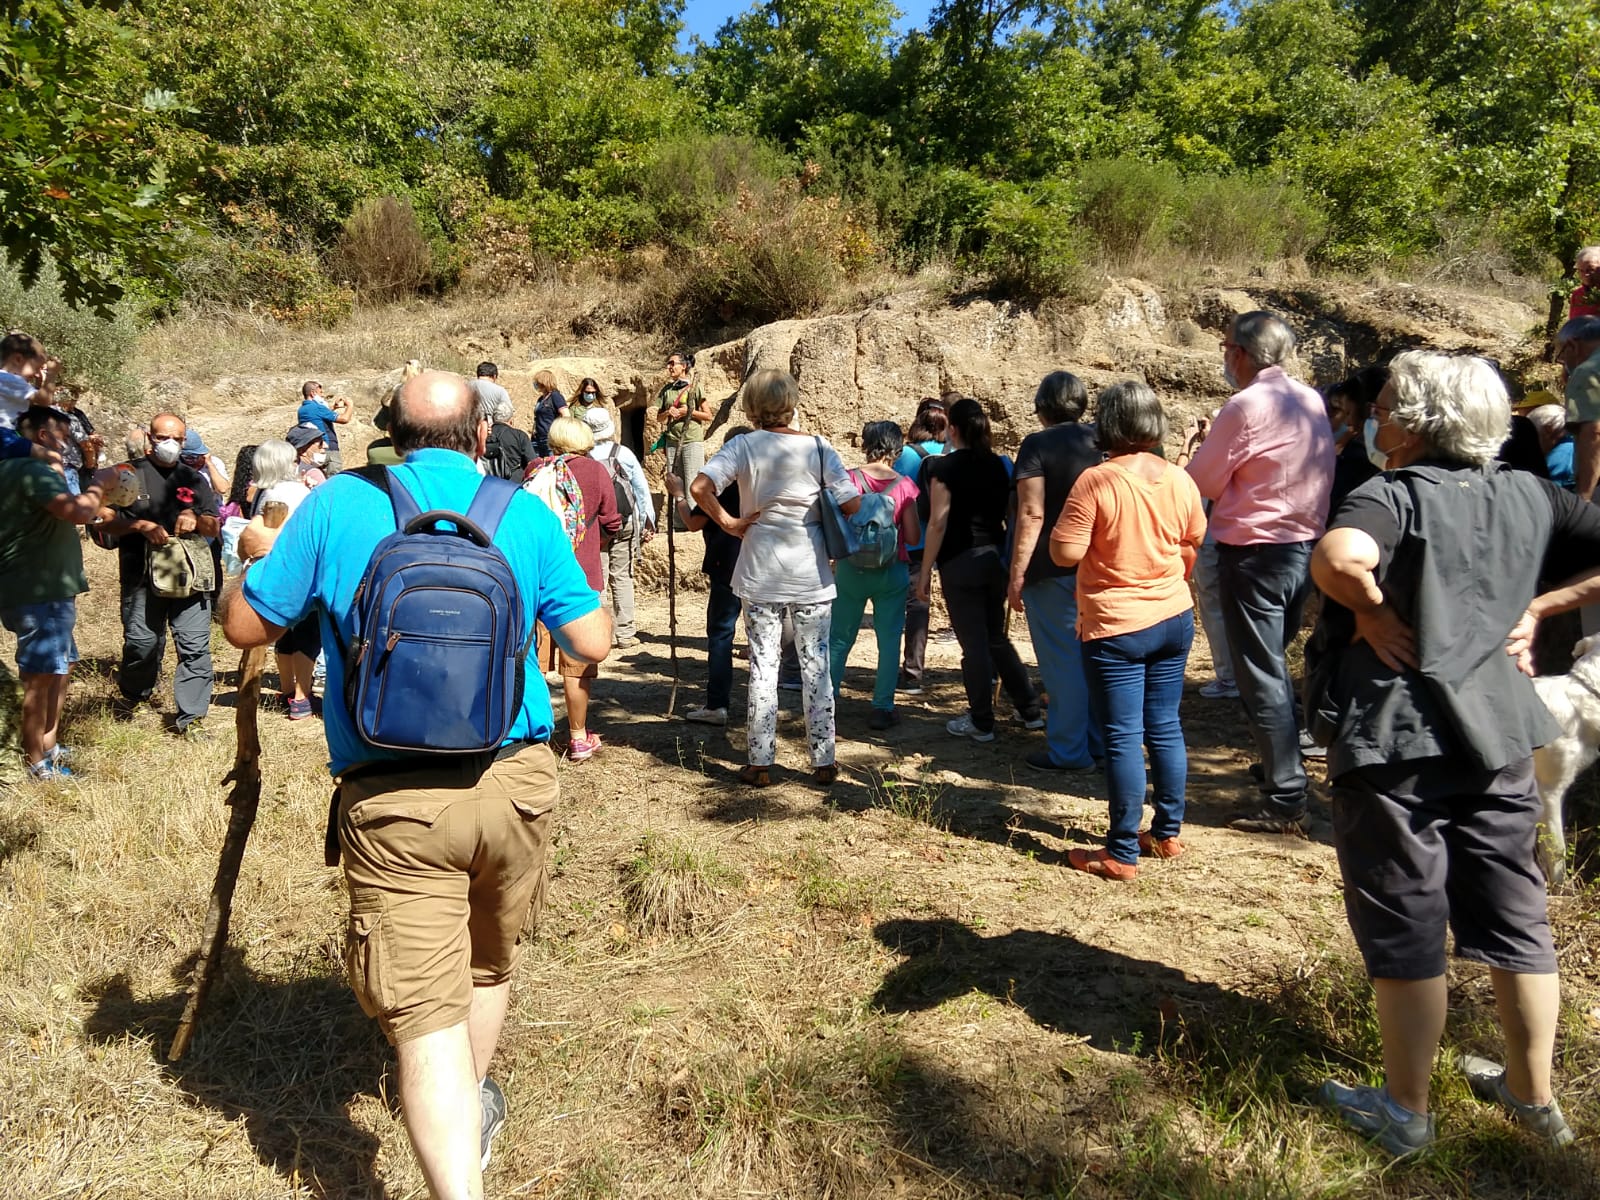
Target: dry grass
point(870, 1006)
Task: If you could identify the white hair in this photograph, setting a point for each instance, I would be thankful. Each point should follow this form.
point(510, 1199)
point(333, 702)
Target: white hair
point(1456, 402)
point(1587, 254)
point(274, 462)
point(504, 411)
point(1552, 418)
point(1265, 338)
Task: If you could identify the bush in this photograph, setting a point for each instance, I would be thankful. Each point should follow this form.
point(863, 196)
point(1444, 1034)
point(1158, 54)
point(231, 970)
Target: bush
point(1032, 246)
point(950, 216)
point(93, 350)
point(1245, 218)
point(691, 181)
point(1128, 205)
point(381, 252)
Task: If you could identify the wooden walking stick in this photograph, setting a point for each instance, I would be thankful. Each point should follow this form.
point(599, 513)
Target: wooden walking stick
point(672, 603)
point(244, 799)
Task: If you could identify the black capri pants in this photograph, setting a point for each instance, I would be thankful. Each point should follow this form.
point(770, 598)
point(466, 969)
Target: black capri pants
point(304, 637)
point(1435, 842)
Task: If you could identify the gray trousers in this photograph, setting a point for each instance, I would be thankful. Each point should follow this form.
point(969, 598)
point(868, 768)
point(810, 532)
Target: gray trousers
point(616, 569)
point(145, 620)
point(685, 461)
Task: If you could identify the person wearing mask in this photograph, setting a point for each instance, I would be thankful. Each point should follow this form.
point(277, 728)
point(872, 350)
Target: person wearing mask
point(971, 492)
point(550, 405)
point(1266, 464)
point(1132, 527)
point(1417, 681)
point(587, 396)
point(311, 455)
point(1349, 402)
point(885, 587)
point(783, 568)
point(621, 551)
point(176, 501)
point(924, 440)
point(316, 410)
point(1049, 463)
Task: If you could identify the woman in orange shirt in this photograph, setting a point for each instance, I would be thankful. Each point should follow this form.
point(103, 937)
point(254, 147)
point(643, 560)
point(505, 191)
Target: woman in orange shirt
point(1132, 526)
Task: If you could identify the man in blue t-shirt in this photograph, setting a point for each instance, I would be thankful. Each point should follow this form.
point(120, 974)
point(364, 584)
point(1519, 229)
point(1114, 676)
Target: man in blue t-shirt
point(324, 414)
point(444, 856)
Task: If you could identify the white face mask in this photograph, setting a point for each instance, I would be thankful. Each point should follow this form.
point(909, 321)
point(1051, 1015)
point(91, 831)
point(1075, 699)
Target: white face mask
point(1369, 434)
point(166, 450)
point(319, 458)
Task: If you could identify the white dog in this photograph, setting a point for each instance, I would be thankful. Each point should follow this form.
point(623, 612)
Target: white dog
point(1574, 701)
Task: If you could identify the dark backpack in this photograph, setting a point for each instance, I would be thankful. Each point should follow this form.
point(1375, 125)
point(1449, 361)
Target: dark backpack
point(436, 663)
point(495, 459)
point(621, 485)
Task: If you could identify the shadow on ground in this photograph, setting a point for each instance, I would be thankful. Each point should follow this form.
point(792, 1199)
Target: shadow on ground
point(286, 1056)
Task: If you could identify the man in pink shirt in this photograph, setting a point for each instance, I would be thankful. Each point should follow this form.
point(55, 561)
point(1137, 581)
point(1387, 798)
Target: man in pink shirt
point(1585, 301)
point(1267, 465)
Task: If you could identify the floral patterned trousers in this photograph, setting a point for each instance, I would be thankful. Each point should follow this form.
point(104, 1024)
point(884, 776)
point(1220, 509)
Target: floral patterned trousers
point(763, 624)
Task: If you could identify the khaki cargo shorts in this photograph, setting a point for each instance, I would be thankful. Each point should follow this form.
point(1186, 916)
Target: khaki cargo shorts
point(553, 658)
point(447, 873)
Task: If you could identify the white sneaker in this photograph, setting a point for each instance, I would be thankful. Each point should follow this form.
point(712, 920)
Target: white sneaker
point(962, 726)
point(707, 716)
point(1029, 722)
point(1217, 690)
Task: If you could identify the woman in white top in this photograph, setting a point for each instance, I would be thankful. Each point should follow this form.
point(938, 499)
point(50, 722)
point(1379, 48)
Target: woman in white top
point(783, 566)
point(277, 477)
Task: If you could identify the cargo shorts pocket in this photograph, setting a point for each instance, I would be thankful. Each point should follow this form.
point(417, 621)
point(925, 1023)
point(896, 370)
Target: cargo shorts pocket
point(366, 954)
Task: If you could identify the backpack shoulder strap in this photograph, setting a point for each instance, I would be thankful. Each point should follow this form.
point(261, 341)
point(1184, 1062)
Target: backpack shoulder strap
point(491, 503)
point(405, 508)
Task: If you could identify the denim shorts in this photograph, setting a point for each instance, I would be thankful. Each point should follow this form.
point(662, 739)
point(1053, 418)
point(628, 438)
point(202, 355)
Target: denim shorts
point(44, 635)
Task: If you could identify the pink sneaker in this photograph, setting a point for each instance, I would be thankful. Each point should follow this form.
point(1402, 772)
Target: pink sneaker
point(579, 749)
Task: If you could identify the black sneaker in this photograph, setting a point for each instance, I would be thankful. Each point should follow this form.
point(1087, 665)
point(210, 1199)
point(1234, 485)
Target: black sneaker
point(883, 718)
point(492, 1103)
point(1040, 760)
point(909, 686)
point(1271, 820)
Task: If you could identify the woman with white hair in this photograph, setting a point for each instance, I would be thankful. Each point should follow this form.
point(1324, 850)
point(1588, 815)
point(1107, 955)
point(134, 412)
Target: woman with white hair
point(621, 552)
point(508, 451)
point(783, 569)
point(275, 472)
point(1413, 682)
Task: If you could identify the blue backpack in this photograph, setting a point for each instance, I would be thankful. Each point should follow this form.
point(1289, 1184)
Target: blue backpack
point(877, 535)
point(436, 663)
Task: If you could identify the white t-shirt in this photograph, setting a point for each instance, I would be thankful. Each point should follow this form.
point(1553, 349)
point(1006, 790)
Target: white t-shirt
point(291, 493)
point(780, 476)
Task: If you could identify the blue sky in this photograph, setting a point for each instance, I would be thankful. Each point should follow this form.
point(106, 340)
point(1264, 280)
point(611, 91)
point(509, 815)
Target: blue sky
point(703, 18)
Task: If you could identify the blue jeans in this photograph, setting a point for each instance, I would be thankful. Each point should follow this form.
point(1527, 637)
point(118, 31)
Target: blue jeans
point(887, 589)
point(1264, 589)
point(722, 618)
point(1073, 731)
point(1138, 683)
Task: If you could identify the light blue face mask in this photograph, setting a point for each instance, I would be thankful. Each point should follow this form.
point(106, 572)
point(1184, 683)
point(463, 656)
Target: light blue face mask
point(1340, 430)
point(1369, 434)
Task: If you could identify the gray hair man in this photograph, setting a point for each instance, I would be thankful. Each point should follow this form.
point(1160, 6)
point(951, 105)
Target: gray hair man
point(1578, 352)
point(1266, 464)
point(445, 857)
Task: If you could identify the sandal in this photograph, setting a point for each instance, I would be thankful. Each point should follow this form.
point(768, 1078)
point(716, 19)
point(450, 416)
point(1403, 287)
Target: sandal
point(754, 776)
point(826, 776)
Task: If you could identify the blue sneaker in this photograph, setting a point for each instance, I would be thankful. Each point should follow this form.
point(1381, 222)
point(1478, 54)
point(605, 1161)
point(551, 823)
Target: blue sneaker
point(1369, 1110)
point(1487, 1079)
point(48, 770)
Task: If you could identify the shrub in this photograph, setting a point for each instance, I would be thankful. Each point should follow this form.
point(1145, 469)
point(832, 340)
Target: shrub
point(673, 887)
point(92, 349)
point(381, 252)
point(1245, 217)
point(691, 181)
point(950, 216)
point(1033, 248)
point(1128, 205)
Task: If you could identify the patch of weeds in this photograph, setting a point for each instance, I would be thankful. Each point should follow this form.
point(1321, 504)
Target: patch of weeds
point(1254, 920)
point(808, 1112)
point(598, 1178)
point(673, 887)
point(18, 832)
point(914, 800)
point(822, 887)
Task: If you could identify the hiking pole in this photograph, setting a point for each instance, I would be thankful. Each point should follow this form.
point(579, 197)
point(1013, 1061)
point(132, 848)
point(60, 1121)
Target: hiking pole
point(672, 602)
point(244, 799)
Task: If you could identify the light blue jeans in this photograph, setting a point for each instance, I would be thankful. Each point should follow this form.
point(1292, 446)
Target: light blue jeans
point(1072, 728)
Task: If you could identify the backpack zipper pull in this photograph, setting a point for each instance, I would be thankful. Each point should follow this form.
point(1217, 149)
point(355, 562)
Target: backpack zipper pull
point(393, 641)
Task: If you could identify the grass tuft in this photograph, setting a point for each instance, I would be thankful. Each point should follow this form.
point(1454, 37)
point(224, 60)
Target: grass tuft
point(673, 887)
